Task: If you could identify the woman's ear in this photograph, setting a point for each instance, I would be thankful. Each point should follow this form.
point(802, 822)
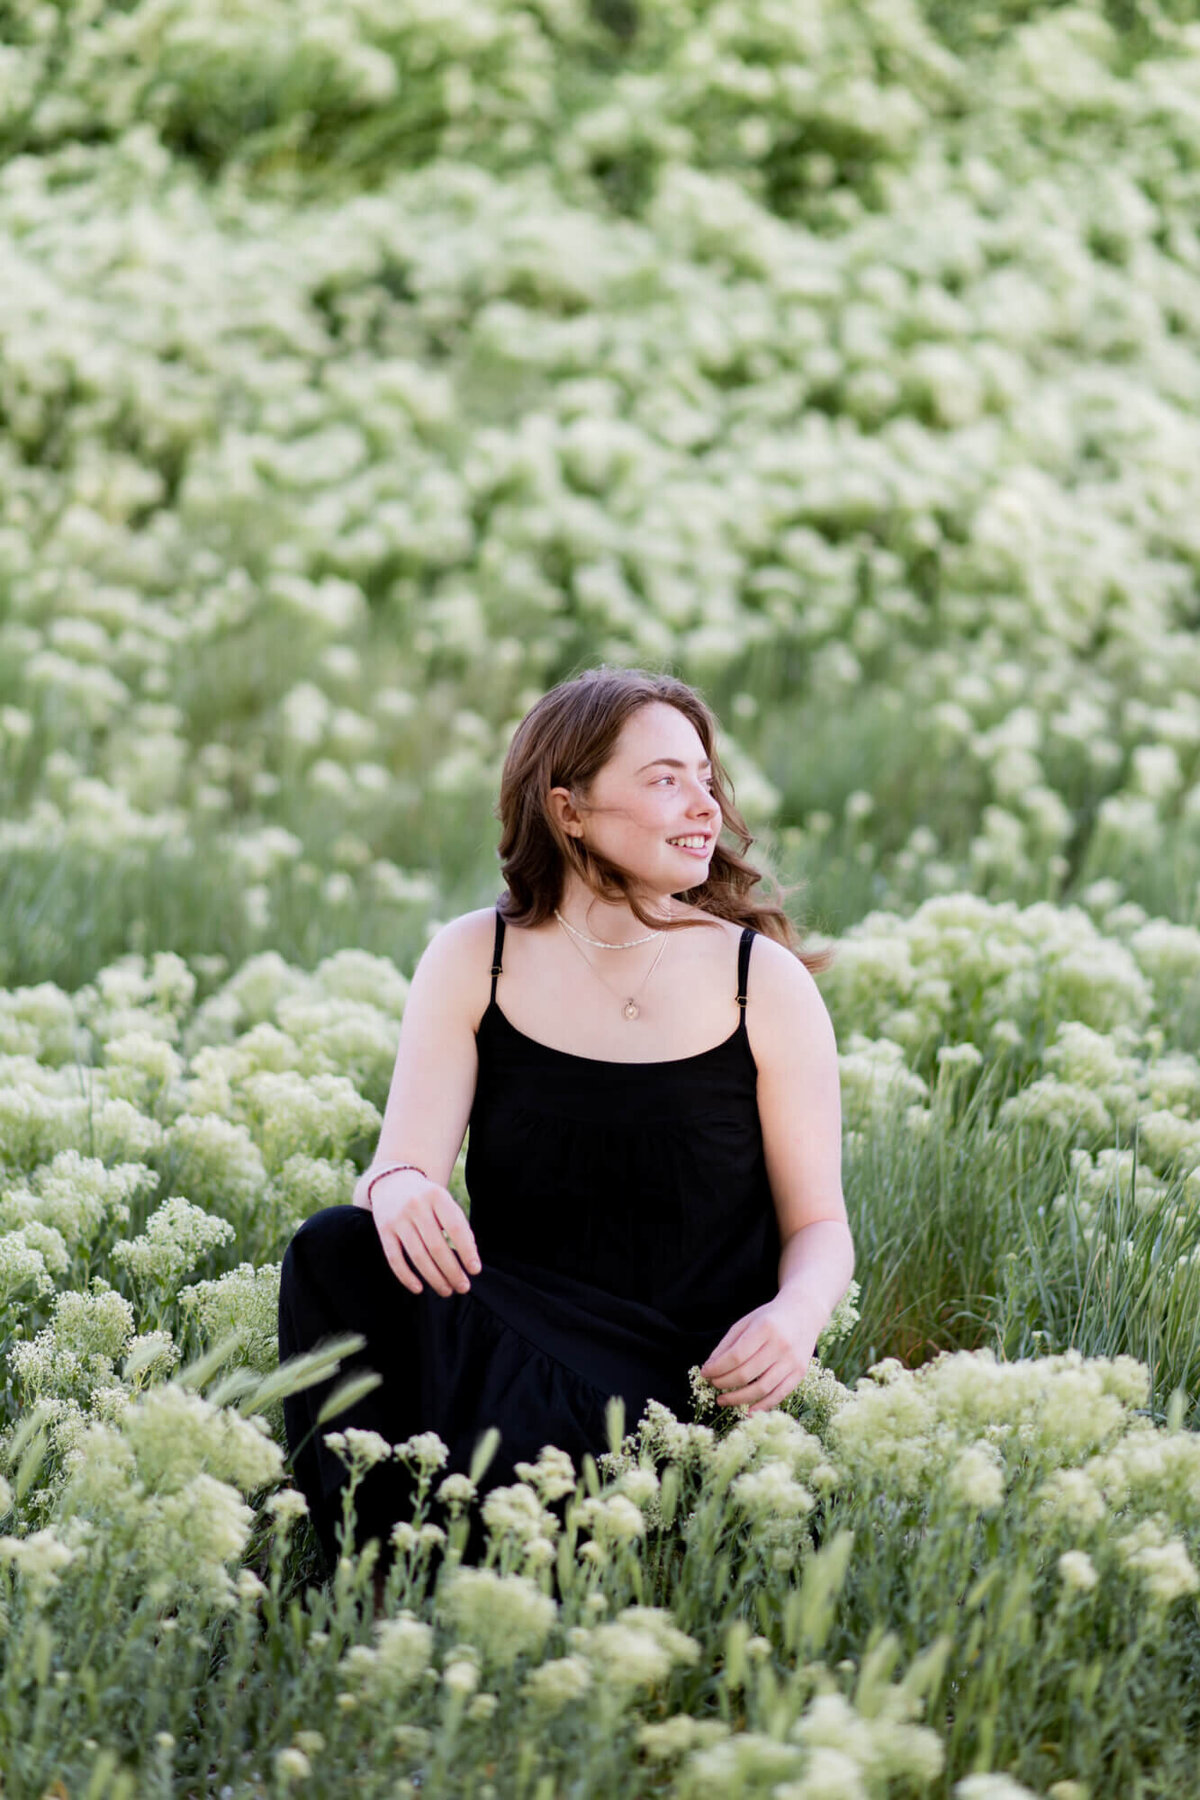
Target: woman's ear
point(564, 812)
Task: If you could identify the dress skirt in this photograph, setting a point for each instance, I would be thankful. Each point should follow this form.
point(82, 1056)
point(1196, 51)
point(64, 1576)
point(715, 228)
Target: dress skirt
point(536, 1357)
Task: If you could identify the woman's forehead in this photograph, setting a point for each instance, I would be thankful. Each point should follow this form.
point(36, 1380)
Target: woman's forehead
point(658, 729)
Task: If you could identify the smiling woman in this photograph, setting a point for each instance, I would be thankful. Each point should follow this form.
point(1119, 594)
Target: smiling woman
point(654, 1162)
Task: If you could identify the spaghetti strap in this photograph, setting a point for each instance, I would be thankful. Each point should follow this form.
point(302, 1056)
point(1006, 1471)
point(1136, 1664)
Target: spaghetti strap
point(744, 970)
point(497, 952)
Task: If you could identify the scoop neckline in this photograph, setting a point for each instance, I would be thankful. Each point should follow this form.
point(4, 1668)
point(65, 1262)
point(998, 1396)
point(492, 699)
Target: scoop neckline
point(658, 1062)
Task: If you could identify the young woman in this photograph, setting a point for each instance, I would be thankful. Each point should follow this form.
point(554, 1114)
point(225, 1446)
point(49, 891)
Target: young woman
point(654, 1164)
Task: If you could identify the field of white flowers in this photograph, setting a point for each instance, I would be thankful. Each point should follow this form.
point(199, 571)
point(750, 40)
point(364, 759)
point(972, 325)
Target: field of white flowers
point(364, 369)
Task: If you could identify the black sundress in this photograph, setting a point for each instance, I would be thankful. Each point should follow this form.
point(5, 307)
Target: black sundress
point(624, 1220)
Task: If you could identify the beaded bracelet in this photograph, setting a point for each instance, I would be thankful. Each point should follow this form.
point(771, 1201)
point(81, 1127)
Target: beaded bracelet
point(392, 1169)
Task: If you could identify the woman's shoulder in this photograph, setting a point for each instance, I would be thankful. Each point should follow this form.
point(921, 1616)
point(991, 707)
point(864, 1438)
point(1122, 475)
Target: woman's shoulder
point(786, 1006)
point(459, 948)
point(459, 940)
point(452, 973)
point(783, 969)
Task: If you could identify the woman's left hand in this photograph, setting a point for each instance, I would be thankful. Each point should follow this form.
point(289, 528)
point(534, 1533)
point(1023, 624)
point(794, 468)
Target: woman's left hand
point(764, 1356)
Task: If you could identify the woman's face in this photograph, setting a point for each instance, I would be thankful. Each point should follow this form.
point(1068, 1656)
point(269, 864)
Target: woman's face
point(655, 789)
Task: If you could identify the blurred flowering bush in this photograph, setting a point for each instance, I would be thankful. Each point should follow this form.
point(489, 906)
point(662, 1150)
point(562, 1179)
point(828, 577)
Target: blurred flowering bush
point(361, 373)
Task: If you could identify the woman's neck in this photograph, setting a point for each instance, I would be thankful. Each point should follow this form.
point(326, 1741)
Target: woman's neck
point(611, 920)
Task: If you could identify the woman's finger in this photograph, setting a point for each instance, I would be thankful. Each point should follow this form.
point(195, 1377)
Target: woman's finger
point(395, 1260)
point(450, 1217)
point(779, 1392)
point(743, 1359)
point(418, 1255)
point(439, 1251)
point(754, 1388)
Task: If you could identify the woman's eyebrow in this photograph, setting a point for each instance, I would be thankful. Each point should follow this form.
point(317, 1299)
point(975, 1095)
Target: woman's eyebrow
point(670, 762)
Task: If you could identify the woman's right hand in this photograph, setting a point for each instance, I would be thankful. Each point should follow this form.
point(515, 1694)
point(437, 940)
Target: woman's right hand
point(411, 1212)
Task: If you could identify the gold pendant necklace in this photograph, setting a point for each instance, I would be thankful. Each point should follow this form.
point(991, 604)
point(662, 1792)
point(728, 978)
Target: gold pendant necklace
point(631, 1009)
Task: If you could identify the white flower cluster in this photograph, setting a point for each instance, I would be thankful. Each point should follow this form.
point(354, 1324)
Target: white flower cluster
point(177, 1237)
point(505, 1616)
point(832, 1750)
point(76, 1353)
point(77, 1196)
point(961, 965)
point(637, 1649)
point(246, 1300)
point(910, 1429)
point(399, 1657)
point(160, 1490)
point(517, 1512)
point(24, 1264)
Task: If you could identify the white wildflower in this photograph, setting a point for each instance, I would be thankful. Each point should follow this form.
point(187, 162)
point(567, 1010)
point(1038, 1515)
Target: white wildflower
point(829, 1774)
point(460, 1677)
point(425, 1449)
point(505, 1616)
point(150, 1356)
point(320, 1114)
point(1071, 1496)
point(770, 1492)
point(176, 1434)
point(22, 1267)
point(404, 1649)
point(677, 1735)
point(287, 1505)
point(557, 1683)
point(611, 1520)
point(176, 1237)
point(1167, 1571)
point(77, 1195)
point(553, 1474)
point(291, 1764)
point(245, 1300)
point(457, 1491)
point(39, 1557)
point(991, 1787)
point(976, 1478)
point(1077, 1570)
point(360, 1450)
point(216, 1161)
point(638, 1648)
point(516, 1511)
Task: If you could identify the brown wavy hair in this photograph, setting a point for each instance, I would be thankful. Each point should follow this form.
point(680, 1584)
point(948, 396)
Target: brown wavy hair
point(564, 741)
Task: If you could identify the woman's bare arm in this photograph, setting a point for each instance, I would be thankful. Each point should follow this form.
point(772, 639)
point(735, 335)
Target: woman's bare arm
point(799, 1103)
point(763, 1356)
point(428, 1106)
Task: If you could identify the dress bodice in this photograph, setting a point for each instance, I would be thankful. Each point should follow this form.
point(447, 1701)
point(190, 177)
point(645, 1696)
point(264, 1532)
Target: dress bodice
point(646, 1180)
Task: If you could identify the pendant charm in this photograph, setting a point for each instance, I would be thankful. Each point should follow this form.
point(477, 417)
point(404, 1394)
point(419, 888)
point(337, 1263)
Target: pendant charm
point(631, 1011)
